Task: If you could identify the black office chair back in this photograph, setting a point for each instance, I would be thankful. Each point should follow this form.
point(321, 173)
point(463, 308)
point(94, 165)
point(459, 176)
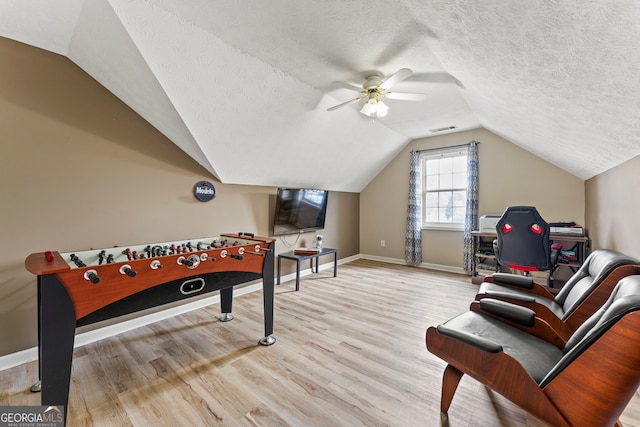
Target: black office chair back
point(524, 241)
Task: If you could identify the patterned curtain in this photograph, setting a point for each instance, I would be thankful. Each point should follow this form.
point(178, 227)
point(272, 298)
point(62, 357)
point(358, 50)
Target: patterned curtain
point(471, 216)
point(413, 239)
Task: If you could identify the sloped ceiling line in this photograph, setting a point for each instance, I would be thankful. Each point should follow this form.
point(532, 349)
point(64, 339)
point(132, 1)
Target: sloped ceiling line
point(103, 47)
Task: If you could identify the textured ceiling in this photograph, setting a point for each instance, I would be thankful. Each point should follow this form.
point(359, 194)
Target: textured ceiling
point(243, 87)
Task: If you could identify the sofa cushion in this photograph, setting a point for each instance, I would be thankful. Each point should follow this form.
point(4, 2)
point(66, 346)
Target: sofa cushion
point(535, 355)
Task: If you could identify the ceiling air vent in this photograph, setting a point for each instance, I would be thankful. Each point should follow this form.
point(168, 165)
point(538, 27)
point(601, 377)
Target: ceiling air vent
point(442, 129)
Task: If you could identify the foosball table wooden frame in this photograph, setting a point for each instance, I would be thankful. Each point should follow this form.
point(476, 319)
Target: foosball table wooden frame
point(81, 288)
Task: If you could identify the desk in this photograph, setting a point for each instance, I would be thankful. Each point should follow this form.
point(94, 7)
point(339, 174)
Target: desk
point(299, 258)
point(578, 244)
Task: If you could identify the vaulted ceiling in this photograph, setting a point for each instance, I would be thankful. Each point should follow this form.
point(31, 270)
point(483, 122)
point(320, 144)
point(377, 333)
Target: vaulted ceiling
point(243, 87)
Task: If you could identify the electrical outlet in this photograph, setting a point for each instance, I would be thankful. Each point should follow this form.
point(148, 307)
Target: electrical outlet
point(382, 242)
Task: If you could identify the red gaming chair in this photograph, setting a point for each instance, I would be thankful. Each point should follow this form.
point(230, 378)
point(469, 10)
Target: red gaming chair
point(524, 241)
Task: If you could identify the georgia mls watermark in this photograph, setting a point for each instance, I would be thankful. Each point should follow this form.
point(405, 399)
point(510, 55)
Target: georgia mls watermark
point(31, 416)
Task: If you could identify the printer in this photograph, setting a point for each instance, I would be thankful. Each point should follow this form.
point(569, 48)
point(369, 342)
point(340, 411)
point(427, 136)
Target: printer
point(487, 223)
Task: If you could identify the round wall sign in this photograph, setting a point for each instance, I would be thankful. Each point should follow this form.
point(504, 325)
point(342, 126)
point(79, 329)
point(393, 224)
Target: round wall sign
point(204, 191)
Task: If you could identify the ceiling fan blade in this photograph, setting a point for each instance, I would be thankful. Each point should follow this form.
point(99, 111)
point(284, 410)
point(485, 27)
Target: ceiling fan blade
point(396, 77)
point(406, 96)
point(436, 77)
point(335, 107)
point(348, 86)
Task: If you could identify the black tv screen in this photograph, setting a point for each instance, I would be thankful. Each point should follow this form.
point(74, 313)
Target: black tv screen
point(299, 210)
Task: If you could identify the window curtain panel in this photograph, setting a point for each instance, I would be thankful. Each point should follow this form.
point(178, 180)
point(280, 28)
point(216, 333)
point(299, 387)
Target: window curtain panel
point(413, 239)
point(471, 214)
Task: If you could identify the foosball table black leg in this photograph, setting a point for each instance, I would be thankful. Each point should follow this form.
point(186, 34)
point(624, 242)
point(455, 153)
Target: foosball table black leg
point(57, 333)
point(268, 292)
point(226, 304)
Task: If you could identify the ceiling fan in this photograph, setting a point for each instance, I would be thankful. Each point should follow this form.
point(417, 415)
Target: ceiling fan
point(376, 87)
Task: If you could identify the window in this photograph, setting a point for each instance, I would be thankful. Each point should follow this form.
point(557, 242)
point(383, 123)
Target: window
point(444, 188)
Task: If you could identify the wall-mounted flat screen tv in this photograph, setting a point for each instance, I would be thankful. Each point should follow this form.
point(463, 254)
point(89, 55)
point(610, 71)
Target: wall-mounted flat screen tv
point(299, 210)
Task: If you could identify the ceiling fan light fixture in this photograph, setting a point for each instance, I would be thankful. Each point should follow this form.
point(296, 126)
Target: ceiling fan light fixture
point(374, 87)
point(374, 108)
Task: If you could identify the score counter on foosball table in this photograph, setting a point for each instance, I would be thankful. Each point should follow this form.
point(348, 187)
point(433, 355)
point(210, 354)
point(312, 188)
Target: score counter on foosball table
point(84, 287)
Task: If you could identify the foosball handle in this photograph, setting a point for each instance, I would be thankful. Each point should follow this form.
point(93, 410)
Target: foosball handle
point(126, 269)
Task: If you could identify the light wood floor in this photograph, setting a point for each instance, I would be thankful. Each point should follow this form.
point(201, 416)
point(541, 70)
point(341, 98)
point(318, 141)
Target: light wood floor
point(350, 351)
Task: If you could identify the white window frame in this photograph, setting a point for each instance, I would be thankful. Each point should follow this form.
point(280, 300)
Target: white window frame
point(448, 152)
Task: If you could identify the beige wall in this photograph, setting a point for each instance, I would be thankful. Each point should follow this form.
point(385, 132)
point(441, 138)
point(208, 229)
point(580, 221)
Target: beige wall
point(80, 170)
point(508, 175)
point(613, 206)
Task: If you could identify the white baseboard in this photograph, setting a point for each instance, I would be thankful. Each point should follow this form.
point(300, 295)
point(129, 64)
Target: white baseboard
point(31, 354)
point(438, 267)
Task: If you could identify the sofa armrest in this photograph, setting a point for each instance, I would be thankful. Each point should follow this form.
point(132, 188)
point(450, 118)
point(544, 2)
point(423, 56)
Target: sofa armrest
point(523, 282)
point(506, 295)
point(513, 312)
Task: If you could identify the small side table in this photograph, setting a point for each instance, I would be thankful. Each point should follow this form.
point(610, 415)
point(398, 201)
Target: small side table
point(299, 258)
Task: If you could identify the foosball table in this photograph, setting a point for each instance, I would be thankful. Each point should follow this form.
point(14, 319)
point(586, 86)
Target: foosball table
point(85, 287)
